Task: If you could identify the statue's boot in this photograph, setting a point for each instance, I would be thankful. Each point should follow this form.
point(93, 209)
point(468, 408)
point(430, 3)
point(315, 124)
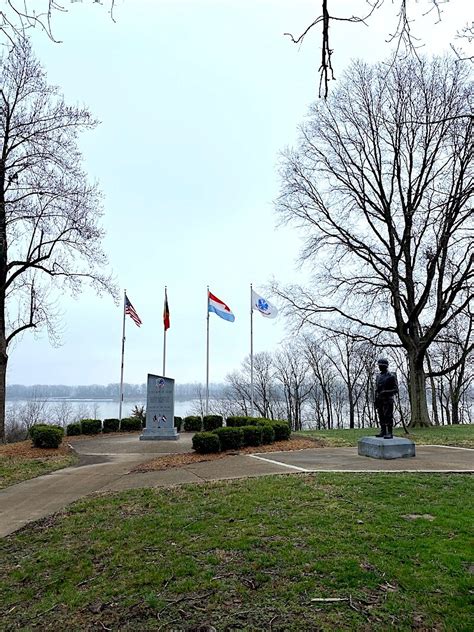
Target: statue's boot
point(388, 432)
point(383, 431)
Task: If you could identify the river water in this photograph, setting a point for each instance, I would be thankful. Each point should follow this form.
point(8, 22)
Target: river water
point(97, 408)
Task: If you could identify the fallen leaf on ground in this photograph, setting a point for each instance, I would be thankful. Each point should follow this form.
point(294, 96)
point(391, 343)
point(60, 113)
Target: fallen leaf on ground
point(26, 450)
point(188, 458)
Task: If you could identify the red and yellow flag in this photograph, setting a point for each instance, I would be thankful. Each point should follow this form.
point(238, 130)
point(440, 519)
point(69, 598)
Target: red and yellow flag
point(166, 313)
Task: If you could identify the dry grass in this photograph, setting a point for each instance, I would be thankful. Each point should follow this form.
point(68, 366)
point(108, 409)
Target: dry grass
point(21, 461)
point(188, 458)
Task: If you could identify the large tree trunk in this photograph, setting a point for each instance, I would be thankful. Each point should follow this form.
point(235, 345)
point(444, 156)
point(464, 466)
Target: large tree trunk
point(454, 397)
point(351, 413)
point(3, 375)
point(417, 392)
point(434, 403)
point(3, 276)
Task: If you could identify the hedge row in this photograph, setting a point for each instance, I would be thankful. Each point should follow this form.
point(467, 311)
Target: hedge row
point(194, 423)
point(234, 437)
point(209, 423)
point(96, 426)
point(238, 422)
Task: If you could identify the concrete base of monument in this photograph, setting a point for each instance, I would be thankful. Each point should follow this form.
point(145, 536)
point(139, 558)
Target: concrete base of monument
point(159, 434)
point(379, 448)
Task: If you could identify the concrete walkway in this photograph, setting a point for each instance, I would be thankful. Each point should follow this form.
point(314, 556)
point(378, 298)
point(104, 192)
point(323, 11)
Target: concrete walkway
point(106, 464)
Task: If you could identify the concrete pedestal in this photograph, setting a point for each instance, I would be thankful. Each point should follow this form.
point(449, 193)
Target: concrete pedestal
point(159, 434)
point(379, 448)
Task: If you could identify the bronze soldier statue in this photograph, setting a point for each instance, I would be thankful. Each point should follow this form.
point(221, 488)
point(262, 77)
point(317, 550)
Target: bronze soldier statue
point(386, 387)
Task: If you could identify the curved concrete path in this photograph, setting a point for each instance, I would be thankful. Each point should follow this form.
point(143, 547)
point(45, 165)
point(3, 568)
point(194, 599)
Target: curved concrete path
point(106, 464)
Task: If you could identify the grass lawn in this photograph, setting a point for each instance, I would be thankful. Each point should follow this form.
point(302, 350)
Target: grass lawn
point(461, 436)
point(251, 555)
point(20, 461)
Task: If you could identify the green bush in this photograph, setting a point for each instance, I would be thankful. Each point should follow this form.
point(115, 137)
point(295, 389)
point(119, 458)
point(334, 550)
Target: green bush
point(46, 436)
point(268, 433)
point(206, 442)
point(72, 430)
point(130, 424)
point(211, 422)
point(91, 426)
point(111, 425)
point(282, 430)
point(252, 435)
point(178, 422)
point(238, 422)
point(230, 438)
point(192, 423)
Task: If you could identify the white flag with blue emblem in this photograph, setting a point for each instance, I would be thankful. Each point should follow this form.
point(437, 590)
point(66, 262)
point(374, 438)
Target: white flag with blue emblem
point(263, 306)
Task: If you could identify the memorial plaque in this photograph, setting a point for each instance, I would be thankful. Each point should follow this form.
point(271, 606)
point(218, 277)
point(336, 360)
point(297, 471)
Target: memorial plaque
point(159, 409)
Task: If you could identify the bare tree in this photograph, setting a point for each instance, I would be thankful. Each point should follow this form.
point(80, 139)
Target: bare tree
point(266, 397)
point(17, 16)
point(62, 412)
point(265, 388)
point(199, 400)
point(49, 233)
point(382, 185)
point(238, 391)
point(452, 349)
point(400, 33)
point(292, 371)
point(325, 378)
point(349, 364)
point(464, 39)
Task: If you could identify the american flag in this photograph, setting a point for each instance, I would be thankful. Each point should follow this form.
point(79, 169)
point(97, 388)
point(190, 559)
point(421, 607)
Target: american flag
point(130, 310)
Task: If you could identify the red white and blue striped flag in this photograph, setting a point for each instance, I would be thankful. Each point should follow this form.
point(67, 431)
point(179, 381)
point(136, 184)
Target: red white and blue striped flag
point(130, 310)
point(219, 307)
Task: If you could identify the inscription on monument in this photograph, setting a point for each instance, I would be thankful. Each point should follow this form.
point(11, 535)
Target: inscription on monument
point(159, 408)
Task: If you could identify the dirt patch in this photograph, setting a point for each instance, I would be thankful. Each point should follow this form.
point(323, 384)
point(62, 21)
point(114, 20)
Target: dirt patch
point(25, 450)
point(188, 458)
point(428, 517)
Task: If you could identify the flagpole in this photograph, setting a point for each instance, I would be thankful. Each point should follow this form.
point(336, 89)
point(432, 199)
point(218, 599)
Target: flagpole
point(123, 354)
point(164, 339)
point(251, 355)
point(207, 356)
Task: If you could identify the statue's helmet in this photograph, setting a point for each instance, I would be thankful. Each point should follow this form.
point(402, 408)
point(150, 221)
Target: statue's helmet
point(382, 361)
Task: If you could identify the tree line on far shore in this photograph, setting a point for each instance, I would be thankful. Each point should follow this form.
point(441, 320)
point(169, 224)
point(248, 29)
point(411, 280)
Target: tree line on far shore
point(183, 392)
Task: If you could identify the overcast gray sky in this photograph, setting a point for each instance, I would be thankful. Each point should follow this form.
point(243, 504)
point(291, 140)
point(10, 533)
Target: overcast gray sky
point(196, 98)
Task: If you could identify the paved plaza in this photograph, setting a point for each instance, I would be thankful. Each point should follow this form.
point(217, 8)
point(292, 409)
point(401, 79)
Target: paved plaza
point(106, 464)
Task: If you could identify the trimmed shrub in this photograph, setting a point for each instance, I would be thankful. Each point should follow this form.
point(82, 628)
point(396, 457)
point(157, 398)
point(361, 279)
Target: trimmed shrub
point(239, 422)
point(46, 436)
point(178, 422)
point(268, 433)
point(130, 424)
point(206, 442)
point(91, 426)
point(192, 423)
point(211, 422)
point(73, 430)
point(110, 425)
point(252, 435)
point(235, 422)
point(282, 430)
point(230, 438)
